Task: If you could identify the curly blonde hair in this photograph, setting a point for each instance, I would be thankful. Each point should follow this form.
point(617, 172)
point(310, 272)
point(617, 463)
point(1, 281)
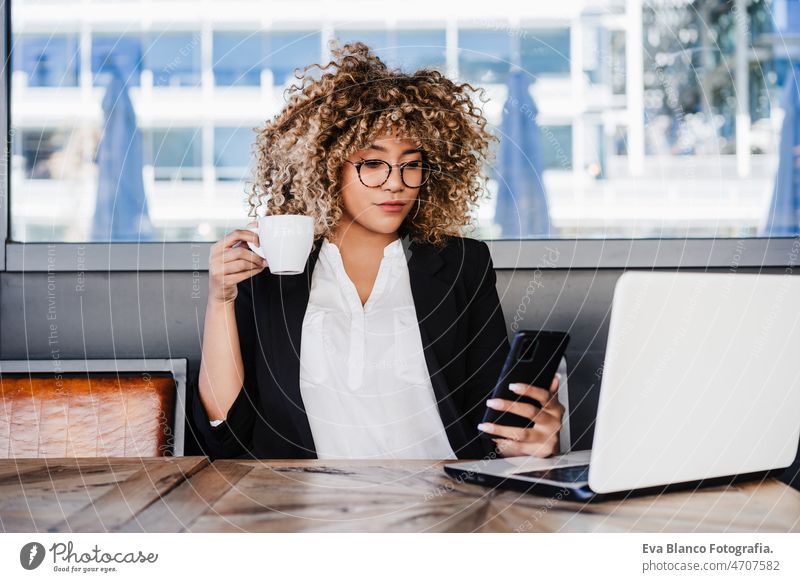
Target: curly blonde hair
point(301, 151)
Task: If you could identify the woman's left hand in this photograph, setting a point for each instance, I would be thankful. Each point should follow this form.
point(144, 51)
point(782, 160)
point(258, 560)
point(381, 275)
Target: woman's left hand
point(540, 440)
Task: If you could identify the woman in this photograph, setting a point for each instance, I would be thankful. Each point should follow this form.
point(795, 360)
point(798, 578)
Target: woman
point(390, 342)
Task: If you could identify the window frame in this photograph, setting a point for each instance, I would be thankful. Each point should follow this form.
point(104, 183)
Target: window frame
point(535, 254)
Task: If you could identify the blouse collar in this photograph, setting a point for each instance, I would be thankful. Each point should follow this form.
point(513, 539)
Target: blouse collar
point(394, 248)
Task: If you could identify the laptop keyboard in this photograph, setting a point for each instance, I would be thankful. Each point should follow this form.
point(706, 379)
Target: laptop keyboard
point(574, 474)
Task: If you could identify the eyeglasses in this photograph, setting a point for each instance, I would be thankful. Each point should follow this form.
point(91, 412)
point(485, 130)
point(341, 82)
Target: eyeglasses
point(374, 173)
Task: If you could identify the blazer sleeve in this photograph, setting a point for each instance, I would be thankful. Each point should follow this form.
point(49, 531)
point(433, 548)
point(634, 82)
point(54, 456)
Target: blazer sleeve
point(233, 437)
point(488, 343)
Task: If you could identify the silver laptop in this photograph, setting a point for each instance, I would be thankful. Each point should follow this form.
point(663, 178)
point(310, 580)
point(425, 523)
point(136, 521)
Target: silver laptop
point(700, 386)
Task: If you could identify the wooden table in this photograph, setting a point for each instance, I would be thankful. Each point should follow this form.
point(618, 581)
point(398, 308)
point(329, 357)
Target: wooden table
point(192, 494)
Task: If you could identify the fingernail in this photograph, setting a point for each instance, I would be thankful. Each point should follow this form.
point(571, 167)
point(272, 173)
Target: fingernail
point(483, 426)
point(515, 387)
point(493, 403)
point(558, 375)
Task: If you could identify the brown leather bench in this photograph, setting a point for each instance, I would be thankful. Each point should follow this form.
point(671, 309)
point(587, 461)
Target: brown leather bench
point(93, 413)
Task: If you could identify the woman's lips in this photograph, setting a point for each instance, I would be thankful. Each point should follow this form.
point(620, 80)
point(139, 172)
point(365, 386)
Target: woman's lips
point(392, 206)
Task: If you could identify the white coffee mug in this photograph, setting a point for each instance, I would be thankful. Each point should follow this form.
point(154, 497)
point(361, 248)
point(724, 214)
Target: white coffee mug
point(286, 241)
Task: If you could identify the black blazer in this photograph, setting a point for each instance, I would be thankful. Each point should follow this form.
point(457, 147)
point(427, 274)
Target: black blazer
point(463, 335)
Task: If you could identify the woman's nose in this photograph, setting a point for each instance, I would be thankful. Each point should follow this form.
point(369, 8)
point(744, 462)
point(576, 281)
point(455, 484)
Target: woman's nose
point(395, 182)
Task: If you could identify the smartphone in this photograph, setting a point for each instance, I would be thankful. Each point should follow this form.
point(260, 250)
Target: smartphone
point(533, 359)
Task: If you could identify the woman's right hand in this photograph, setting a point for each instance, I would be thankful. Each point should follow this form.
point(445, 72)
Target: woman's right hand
point(231, 261)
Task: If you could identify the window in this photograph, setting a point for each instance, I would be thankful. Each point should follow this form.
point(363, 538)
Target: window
point(46, 154)
point(407, 49)
point(673, 149)
point(594, 51)
point(122, 53)
point(47, 60)
point(484, 56)
point(47, 182)
point(556, 143)
point(418, 49)
point(545, 51)
point(233, 155)
point(290, 50)
point(616, 51)
point(238, 58)
point(175, 154)
point(174, 59)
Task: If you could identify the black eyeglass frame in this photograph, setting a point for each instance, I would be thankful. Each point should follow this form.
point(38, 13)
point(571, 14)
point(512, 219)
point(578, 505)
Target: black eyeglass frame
point(426, 171)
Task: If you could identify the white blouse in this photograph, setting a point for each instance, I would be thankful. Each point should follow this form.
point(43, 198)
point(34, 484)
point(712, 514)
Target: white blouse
point(363, 377)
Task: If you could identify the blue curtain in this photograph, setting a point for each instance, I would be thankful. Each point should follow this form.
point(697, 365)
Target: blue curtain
point(784, 212)
point(521, 200)
point(121, 212)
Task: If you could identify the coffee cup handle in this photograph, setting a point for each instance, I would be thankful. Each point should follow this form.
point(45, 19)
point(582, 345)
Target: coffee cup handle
point(254, 248)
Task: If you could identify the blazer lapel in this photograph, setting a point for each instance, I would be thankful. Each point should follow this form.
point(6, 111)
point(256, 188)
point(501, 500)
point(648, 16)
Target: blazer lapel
point(436, 315)
point(434, 301)
point(432, 289)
